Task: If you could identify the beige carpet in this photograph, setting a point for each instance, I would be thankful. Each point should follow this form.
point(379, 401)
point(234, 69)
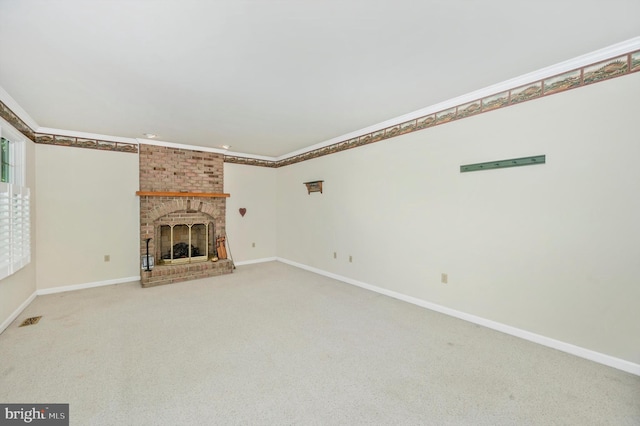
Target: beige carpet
point(273, 344)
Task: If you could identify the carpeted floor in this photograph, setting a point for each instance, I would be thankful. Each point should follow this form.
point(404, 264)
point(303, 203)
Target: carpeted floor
point(273, 344)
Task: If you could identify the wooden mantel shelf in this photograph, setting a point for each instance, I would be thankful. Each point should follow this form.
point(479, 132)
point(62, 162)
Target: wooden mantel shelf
point(180, 194)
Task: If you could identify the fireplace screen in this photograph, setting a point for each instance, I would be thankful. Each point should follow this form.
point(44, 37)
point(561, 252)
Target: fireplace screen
point(184, 243)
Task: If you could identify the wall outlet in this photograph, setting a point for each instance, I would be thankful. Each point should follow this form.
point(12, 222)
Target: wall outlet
point(253, 244)
point(335, 255)
point(107, 258)
point(444, 278)
point(350, 259)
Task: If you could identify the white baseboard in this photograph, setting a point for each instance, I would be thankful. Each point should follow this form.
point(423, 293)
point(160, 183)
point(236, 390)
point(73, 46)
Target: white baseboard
point(53, 290)
point(250, 262)
point(598, 357)
point(6, 323)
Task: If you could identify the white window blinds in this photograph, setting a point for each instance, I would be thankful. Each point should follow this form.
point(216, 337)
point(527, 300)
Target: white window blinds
point(15, 210)
point(15, 232)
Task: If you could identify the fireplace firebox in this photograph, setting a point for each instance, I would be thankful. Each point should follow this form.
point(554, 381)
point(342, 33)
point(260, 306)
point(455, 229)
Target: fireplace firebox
point(185, 243)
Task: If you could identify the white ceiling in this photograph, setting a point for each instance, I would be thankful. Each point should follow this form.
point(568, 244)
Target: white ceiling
point(269, 77)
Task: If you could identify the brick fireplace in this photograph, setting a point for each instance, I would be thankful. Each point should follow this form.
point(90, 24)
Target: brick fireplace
point(182, 210)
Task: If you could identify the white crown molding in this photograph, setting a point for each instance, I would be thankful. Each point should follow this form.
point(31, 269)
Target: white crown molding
point(201, 148)
point(8, 100)
point(560, 68)
point(155, 142)
point(578, 351)
point(553, 70)
point(85, 135)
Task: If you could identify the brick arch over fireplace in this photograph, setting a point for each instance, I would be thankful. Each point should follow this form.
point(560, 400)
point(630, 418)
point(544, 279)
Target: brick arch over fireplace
point(187, 206)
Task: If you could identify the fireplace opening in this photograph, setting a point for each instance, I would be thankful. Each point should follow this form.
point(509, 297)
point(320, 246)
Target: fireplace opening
point(185, 243)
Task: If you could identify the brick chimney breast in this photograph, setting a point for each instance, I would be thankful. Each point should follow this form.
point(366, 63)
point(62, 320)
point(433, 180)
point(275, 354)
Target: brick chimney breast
point(164, 169)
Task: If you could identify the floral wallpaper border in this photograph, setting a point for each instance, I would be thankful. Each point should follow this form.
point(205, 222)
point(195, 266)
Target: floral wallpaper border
point(15, 121)
point(73, 141)
point(580, 77)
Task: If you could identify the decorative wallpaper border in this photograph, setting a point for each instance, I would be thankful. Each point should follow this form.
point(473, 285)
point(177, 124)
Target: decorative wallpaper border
point(249, 161)
point(589, 74)
point(579, 77)
point(76, 142)
point(15, 121)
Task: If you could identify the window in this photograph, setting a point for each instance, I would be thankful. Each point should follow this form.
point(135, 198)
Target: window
point(4, 157)
point(15, 215)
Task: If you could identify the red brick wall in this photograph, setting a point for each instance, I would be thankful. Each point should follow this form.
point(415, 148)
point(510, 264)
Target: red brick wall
point(177, 170)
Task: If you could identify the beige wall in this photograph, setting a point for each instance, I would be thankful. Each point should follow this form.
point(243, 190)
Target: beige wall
point(550, 249)
point(87, 208)
point(253, 188)
point(17, 288)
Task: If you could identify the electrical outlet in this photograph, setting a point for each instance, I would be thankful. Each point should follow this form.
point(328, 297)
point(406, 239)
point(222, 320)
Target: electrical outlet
point(444, 278)
point(335, 255)
point(107, 258)
point(253, 244)
point(350, 259)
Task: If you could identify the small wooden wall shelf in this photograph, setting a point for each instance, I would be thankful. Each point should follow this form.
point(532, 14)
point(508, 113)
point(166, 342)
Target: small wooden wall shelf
point(315, 186)
point(180, 194)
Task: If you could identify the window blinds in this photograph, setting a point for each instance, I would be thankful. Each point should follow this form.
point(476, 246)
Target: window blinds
point(15, 232)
